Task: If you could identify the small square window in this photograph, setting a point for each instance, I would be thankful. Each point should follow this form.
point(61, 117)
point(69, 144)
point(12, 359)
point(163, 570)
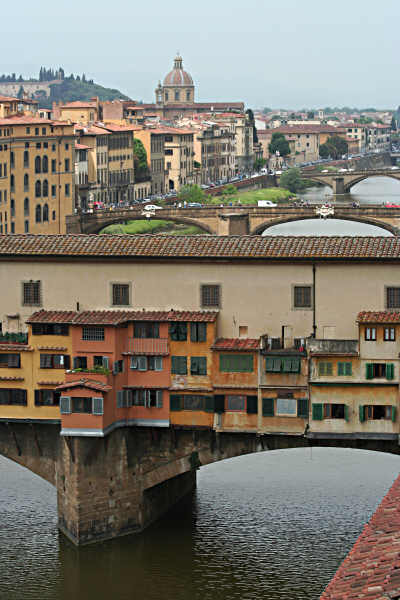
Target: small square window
point(210, 295)
point(302, 296)
point(31, 293)
point(370, 334)
point(120, 294)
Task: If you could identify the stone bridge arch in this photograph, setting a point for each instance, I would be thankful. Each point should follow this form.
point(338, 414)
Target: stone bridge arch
point(94, 227)
point(361, 177)
point(261, 227)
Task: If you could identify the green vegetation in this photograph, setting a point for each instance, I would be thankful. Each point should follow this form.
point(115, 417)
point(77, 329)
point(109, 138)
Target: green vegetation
point(310, 114)
point(276, 195)
point(99, 369)
point(259, 163)
point(197, 165)
point(140, 165)
point(250, 116)
point(229, 190)
point(279, 144)
point(335, 146)
point(321, 168)
point(290, 180)
point(135, 227)
point(191, 193)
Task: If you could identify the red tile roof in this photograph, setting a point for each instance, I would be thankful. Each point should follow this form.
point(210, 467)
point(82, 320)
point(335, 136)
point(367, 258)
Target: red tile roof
point(77, 104)
point(300, 128)
point(22, 119)
point(8, 99)
point(116, 317)
point(87, 383)
point(82, 147)
point(372, 568)
point(381, 316)
point(200, 246)
point(241, 344)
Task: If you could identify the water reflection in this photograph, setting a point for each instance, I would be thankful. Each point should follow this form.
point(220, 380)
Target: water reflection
point(271, 525)
point(376, 190)
point(325, 227)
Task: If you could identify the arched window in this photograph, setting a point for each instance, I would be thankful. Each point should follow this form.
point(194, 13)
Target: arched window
point(38, 214)
point(12, 181)
point(26, 207)
point(38, 189)
point(12, 159)
point(38, 164)
point(45, 212)
point(45, 191)
point(12, 207)
point(26, 182)
point(26, 158)
point(45, 164)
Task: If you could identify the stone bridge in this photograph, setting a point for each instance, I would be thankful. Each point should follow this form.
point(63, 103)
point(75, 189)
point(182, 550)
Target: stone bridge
point(249, 220)
point(341, 183)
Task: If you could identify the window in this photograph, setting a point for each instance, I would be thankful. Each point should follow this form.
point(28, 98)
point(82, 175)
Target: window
point(179, 365)
point(198, 365)
point(28, 130)
point(282, 365)
point(31, 293)
point(93, 334)
point(38, 164)
point(330, 411)
point(210, 295)
point(344, 368)
point(53, 215)
point(53, 166)
point(392, 297)
point(49, 329)
point(147, 398)
point(13, 396)
point(236, 403)
point(26, 182)
point(79, 362)
point(198, 332)
point(389, 334)
point(146, 330)
point(287, 407)
point(67, 188)
point(370, 334)
point(178, 331)
point(45, 189)
point(43, 130)
point(26, 227)
point(377, 412)
point(379, 371)
point(54, 361)
point(66, 146)
point(38, 214)
point(146, 363)
point(120, 294)
point(53, 191)
point(36, 130)
point(302, 296)
point(45, 164)
point(47, 398)
point(177, 96)
point(66, 161)
point(38, 189)
point(231, 363)
point(26, 159)
point(169, 152)
point(81, 405)
point(118, 367)
point(45, 213)
point(11, 361)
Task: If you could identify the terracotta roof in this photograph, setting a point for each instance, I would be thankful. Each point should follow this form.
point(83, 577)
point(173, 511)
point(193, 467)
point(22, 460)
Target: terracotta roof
point(50, 382)
point(381, 316)
point(77, 104)
point(372, 568)
point(87, 383)
point(300, 128)
point(21, 119)
point(241, 344)
point(200, 246)
point(116, 317)
point(8, 99)
point(82, 147)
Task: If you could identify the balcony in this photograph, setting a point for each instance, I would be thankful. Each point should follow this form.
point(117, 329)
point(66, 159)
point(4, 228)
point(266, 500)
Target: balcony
point(274, 344)
point(148, 346)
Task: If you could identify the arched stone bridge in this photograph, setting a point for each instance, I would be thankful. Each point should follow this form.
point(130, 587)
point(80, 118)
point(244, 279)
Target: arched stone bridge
point(249, 220)
point(341, 183)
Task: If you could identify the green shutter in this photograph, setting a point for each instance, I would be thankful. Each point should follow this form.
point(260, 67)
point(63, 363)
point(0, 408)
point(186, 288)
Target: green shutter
point(268, 407)
point(295, 365)
point(346, 412)
point(209, 403)
point(202, 365)
point(321, 368)
point(348, 368)
point(252, 402)
point(302, 408)
point(361, 410)
point(174, 364)
point(224, 363)
point(193, 332)
point(182, 365)
point(369, 371)
point(175, 402)
point(269, 365)
point(277, 365)
point(393, 413)
point(287, 365)
point(202, 332)
point(239, 362)
point(318, 412)
point(390, 371)
point(248, 364)
point(194, 365)
point(340, 368)
point(329, 368)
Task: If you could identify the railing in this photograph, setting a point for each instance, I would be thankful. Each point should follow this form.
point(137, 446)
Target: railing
point(285, 343)
point(148, 345)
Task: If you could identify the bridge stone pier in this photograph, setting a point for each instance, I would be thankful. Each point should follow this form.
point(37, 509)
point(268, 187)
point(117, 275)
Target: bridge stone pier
point(112, 486)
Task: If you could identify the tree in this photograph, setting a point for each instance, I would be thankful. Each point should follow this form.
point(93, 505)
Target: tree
point(259, 163)
point(290, 180)
point(191, 193)
point(310, 114)
point(266, 110)
point(334, 146)
point(279, 143)
point(84, 78)
point(78, 78)
point(326, 150)
point(229, 190)
point(250, 116)
point(197, 165)
point(20, 92)
point(393, 125)
point(20, 78)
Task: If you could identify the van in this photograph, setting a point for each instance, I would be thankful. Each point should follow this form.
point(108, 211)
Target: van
point(264, 171)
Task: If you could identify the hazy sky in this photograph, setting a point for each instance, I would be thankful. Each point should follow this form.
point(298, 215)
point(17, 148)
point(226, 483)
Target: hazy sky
point(277, 53)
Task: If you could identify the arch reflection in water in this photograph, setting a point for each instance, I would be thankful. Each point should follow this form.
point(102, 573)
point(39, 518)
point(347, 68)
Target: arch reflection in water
point(270, 525)
point(328, 227)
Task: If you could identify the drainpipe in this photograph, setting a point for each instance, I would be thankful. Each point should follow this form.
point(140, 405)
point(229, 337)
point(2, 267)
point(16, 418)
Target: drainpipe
point(314, 325)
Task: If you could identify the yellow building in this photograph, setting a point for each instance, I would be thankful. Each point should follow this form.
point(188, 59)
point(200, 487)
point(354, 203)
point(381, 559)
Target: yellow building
point(77, 112)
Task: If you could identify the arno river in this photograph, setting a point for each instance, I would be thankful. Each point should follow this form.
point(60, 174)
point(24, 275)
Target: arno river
point(273, 525)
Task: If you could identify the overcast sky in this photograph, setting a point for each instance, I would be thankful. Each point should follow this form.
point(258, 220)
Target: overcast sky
point(277, 53)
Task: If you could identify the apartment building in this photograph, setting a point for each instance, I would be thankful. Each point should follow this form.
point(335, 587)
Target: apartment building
point(179, 156)
point(153, 139)
point(77, 112)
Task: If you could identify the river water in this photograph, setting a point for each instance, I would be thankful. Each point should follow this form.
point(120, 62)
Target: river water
point(273, 525)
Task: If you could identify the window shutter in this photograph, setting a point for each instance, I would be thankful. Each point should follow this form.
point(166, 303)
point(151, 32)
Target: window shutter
point(238, 364)
point(389, 371)
point(369, 371)
point(120, 399)
point(194, 365)
point(183, 328)
point(346, 411)
point(65, 405)
point(115, 369)
point(209, 403)
point(104, 361)
point(193, 332)
point(159, 398)
point(174, 364)
point(203, 365)
point(97, 406)
point(340, 368)
point(321, 368)
point(43, 361)
point(361, 410)
point(295, 365)
point(287, 365)
point(224, 363)
point(219, 403)
point(10, 360)
point(67, 362)
point(393, 413)
point(269, 365)
point(348, 368)
point(134, 362)
point(75, 363)
point(318, 412)
point(48, 361)
point(175, 402)
point(24, 398)
point(129, 398)
point(302, 408)
point(201, 332)
point(252, 402)
point(135, 397)
point(248, 364)
point(329, 368)
point(37, 398)
point(268, 405)
point(142, 363)
point(182, 365)
point(277, 365)
point(158, 363)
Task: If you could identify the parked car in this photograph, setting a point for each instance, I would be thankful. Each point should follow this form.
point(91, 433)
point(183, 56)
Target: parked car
point(266, 203)
point(152, 207)
point(194, 205)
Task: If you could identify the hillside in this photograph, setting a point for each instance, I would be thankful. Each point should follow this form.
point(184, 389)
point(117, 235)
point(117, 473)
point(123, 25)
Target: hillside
point(70, 90)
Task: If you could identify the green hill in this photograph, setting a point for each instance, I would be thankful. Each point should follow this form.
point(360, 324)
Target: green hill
point(71, 90)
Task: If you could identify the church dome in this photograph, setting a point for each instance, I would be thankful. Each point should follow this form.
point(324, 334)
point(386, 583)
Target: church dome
point(178, 76)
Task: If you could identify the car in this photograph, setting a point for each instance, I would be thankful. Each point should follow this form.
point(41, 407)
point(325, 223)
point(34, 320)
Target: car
point(194, 205)
point(152, 207)
point(266, 203)
point(342, 170)
point(325, 171)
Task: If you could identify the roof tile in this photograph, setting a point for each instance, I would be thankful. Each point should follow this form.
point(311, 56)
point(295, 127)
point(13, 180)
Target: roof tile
point(241, 344)
point(381, 316)
point(117, 317)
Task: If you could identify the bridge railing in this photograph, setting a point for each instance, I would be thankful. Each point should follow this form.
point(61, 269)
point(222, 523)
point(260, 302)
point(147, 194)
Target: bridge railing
point(156, 346)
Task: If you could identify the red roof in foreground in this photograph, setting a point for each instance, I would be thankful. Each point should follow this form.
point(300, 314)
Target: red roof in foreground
point(372, 568)
point(242, 344)
point(87, 383)
point(116, 317)
point(381, 316)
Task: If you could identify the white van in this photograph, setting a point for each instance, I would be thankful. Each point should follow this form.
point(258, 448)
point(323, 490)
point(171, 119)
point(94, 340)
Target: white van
point(264, 171)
